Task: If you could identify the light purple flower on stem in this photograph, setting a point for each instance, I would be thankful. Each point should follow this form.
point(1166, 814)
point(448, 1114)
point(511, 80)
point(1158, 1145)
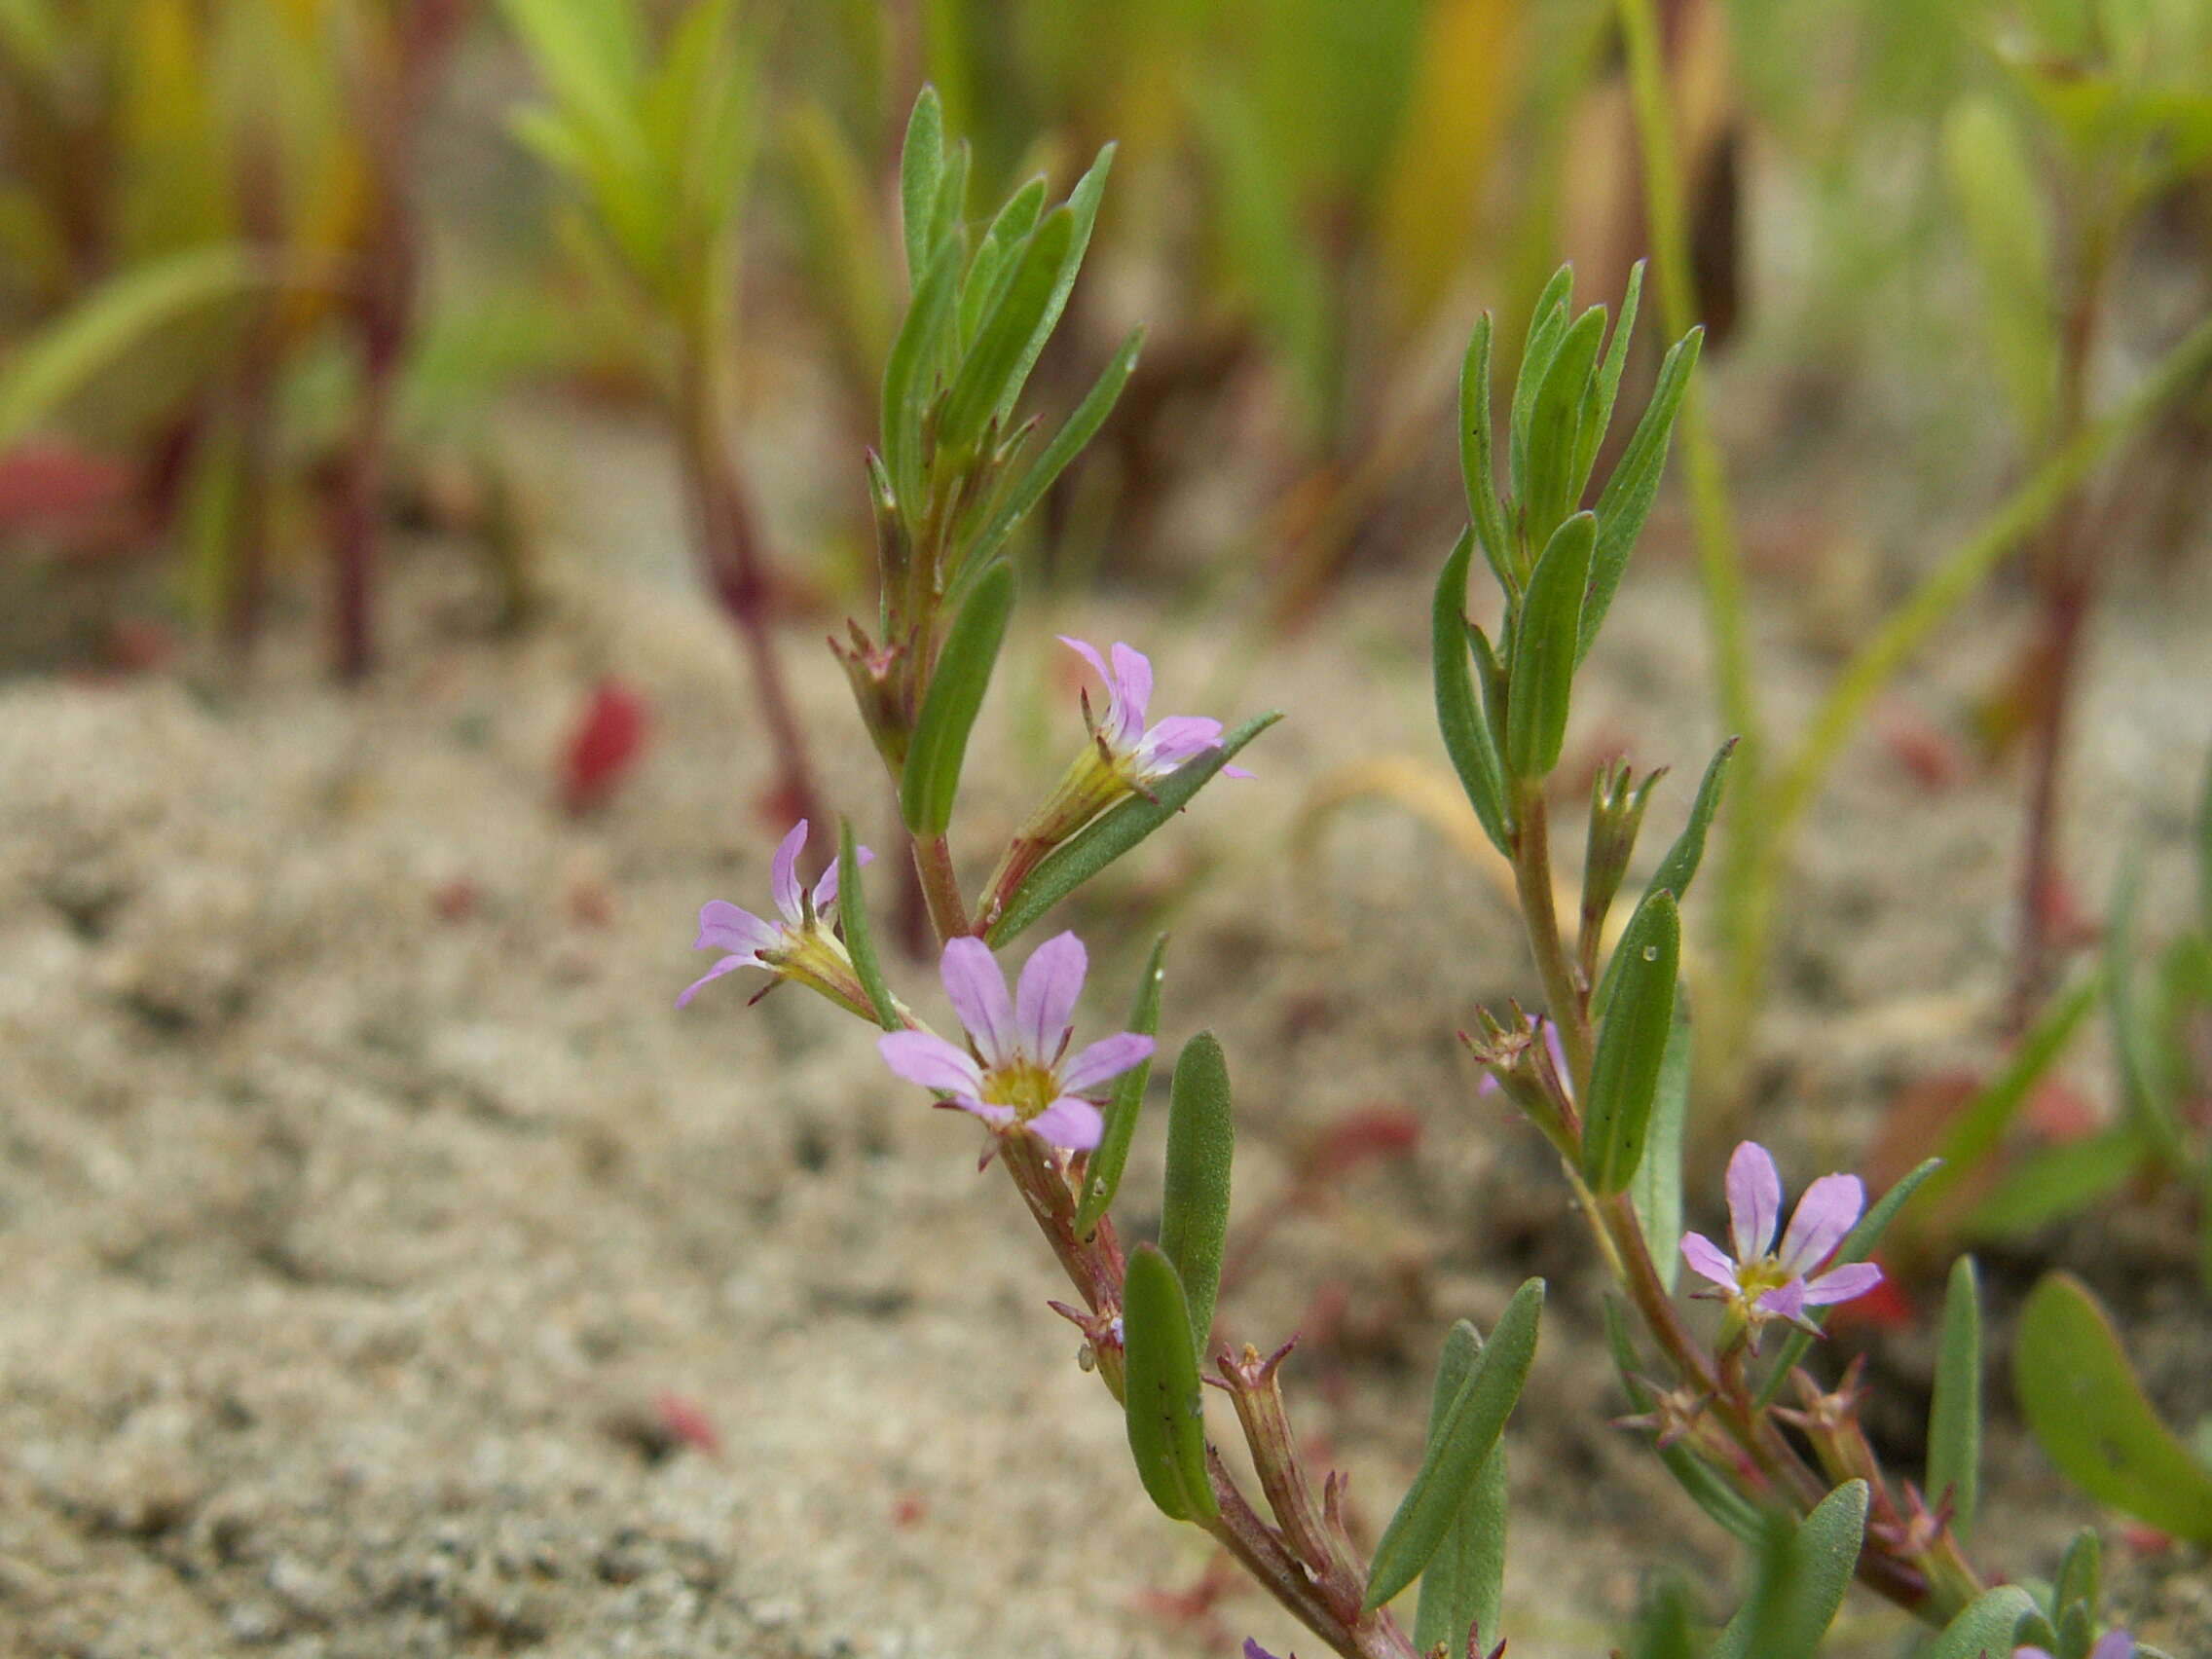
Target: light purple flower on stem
point(2113, 1645)
point(1142, 754)
point(1759, 1281)
point(800, 946)
point(1015, 1073)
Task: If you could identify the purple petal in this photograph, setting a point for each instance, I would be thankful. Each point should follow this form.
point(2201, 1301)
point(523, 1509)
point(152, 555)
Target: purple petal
point(826, 890)
point(1108, 1058)
point(1088, 655)
point(1179, 738)
point(997, 1116)
point(783, 873)
point(1827, 1211)
point(1044, 1002)
point(1253, 1651)
point(723, 926)
point(926, 1058)
point(1132, 690)
point(2114, 1644)
point(728, 965)
point(1784, 1301)
point(1841, 1284)
point(1755, 1201)
point(977, 986)
point(1068, 1122)
point(1235, 772)
point(1709, 1259)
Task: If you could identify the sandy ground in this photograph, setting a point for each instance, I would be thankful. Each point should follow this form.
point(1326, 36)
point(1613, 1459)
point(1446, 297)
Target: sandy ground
point(372, 1228)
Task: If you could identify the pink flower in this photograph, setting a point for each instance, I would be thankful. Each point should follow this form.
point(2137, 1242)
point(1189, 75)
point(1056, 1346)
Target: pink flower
point(1141, 753)
point(1761, 1283)
point(801, 946)
point(1012, 1074)
point(2113, 1645)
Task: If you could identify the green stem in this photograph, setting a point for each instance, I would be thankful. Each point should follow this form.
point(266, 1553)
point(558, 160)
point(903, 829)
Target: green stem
point(1563, 992)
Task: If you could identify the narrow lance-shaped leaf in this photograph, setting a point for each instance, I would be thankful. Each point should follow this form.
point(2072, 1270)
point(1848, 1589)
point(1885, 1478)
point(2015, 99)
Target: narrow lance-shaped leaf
point(1067, 443)
point(1003, 339)
point(1193, 1214)
point(1858, 1244)
point(1801, 1583)
point(1469, 1433)
point(1478, 464)
point(2057, 1181)
point(2080, 1571)
point(2086, 1410)
point(2140, 1086)
point(1541, 671)
point(1974, 1133)
point(1555, 425)
point(1631, 1044)
point(1984, 1628)
point(1666, 1627)
point(995, 263)
point(921, 171)
point(1083, 207)
point(1736, 1514)
point(1656, 1190)
point(1547, 324)
point(1102, 1171)
point(1461, 1588)
point(1954, 1419)
point(1468, 736)
point(1679, 868)
point(932, 777)
point(1161, 1399)
point(909, 374)
point(1608, 382)
point(860, 935)
point(1625, 500)
point(1114, 832)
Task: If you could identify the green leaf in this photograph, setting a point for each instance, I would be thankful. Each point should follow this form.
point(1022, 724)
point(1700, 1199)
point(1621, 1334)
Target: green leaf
point(1609, 385)
point(909, 374)
point(1477, 464)
point(2057, 1181)
point(1656, 1190)
point(1202, 1140)
point(1083, 207)
point(1462, 1586)
point(1625, 500)
point(1679, 869)
point(56, 363)
point(1665, 1628)
point(1975, 1132)
point(859, 936)
point(1001, 349)
point(948, 214)
point(1858, 1244)
point(1467, 735)
point(1546, 327)
point(921, 173)
point(1555, 426)
point(2085, 1407)
point(2204, 853)
point(1114, 832)
point(1736, 1514)
point(2081, 1572)
point(1994, 182)
point(932, 777)
point(1102, 1169)
point(1954, 1418)
point(1067, 443)
point(995, 263)
point(1542, 664)
point(1631, 1044)
point(2142, 1089)
point(1456, 1453)
point(1983, 1630)
point(1803, 1574)
point(1160, 1400)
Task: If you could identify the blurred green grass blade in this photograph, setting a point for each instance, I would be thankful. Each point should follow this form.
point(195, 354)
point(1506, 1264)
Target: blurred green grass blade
point(1459, 718)
point(1462, 1586)
point(1632, 1046)
point(1734, 1512)
point(1000, 356)
point(68, 353)
point(1858, 1244)
point(1975, 1132)
point(1103, 1170)
point(1993, 181)
point(1625, 503)
point(1954, 1418)
point(1544, 637)
point(1800, 1584)
point(1555, 426)
point(1161, 1405)
point(2204, 852)
point(859, 934)
point(1067, 443)
point(2057, 1181)
point(1469, 1433)
point(1666, 1627)
point(939, 749)
point(1478, 464)
point(1114, 832)
point(1656, 1190)
point(31, 34)
point(1984, 1627)
point(2142, 1089)
point(921, 175)
point(2086, 1410)
point(1202, 1141)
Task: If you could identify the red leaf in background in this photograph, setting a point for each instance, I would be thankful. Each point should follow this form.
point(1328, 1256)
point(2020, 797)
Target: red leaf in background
point(53, 484)
point(1359, 1137)
point(602, 747)
point(1884, 1308)
point(2060, 1112)
point(687, 1420)
point(1922, 748)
